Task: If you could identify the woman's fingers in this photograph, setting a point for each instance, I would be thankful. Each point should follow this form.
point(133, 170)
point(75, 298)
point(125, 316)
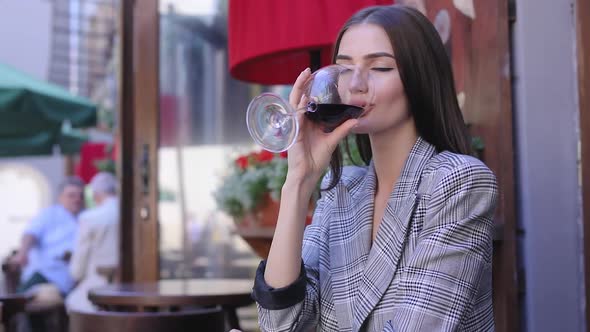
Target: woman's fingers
point(300, 107)
point(297, 91)
point(341, 131)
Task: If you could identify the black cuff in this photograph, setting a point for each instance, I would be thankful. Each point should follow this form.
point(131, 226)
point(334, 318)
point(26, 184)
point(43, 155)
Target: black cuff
point(278, 298)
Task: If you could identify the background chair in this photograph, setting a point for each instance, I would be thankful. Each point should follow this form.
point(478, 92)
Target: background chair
point(44, 306)
point(13, 306)
point(111, 273)
point(11, 274)
point(210, 320)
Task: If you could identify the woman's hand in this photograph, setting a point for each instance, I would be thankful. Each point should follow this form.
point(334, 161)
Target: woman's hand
point(310, 154)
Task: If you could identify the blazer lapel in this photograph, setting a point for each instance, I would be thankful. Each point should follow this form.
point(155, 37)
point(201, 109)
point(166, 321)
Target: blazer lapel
point(350, 234)
point(390, 240)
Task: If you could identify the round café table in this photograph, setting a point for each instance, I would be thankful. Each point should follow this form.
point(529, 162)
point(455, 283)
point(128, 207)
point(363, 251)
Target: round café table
point(174, 294)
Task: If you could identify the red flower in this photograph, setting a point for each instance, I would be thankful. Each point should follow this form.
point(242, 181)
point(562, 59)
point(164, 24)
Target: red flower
point(264, 156)
point(283, 154)
point(242, 162)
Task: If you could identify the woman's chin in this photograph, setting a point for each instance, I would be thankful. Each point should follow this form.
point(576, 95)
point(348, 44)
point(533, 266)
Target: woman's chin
point(359, 128)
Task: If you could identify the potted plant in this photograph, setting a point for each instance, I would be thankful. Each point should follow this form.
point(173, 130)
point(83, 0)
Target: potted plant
point(250, 193)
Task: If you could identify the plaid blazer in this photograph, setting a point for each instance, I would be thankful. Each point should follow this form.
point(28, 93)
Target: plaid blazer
point(428, 269)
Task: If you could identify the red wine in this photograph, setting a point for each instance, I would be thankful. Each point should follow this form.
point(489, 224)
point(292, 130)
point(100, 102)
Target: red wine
point(330, 116)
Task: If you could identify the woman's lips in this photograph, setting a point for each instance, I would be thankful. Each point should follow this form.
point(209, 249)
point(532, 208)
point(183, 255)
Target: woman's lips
point(358, 103)
point(366, 110)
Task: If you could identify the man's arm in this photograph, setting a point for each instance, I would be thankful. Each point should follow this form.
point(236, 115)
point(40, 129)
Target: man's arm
point(32, 237)
point(28, 241)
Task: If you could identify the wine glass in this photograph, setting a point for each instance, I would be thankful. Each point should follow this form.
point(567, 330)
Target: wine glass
point(273, 124)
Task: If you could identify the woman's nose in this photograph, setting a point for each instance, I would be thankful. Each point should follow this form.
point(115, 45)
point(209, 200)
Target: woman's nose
point(359, 82)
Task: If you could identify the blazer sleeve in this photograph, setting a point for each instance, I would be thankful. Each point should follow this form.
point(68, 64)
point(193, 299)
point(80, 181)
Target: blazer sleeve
point(81, 253)
point(296, 306)
point(453, 256)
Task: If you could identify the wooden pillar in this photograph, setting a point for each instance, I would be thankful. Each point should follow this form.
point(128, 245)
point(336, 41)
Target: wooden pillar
point(484, 72)
point(505, 277)
point(583, 57)
point(138, 131)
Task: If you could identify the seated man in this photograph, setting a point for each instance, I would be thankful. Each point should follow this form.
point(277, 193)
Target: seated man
point(48, 241)
point(97, 241)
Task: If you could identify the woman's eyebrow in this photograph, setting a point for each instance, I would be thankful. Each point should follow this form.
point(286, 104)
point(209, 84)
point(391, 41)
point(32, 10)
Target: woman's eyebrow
point(379, 55)
point(368, 56)
point(343, 57)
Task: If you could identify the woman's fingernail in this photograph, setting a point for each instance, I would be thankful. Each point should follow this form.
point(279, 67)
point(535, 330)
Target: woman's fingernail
point(307, 70)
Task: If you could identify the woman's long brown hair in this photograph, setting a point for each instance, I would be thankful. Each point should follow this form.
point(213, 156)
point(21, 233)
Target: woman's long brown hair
point(426, 74)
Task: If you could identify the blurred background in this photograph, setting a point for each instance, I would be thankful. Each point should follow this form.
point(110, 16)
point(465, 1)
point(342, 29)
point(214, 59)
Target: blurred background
point(155, 92)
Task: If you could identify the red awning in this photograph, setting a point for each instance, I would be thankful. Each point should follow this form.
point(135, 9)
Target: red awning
point(270, 40)
point(90, 154)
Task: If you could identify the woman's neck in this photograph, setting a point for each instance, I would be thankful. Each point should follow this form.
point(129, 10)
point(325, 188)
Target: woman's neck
point(390, 152)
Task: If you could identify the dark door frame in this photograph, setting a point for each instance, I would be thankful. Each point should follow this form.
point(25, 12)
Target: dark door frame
point(490, 113)
point(138, 134)
point(583, 57)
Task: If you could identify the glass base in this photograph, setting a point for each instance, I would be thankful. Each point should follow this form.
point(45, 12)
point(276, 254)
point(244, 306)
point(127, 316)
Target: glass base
point(271, 123)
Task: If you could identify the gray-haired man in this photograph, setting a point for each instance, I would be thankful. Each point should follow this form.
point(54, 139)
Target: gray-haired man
point(96, 243)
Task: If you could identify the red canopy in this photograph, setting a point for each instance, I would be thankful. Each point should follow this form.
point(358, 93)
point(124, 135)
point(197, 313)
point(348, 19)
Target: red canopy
point(270, 40)
point(90, 154)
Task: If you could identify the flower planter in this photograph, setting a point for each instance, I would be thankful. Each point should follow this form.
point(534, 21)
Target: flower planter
point(259, 239)
point(250, 176)
point(263, 217)
point(257, 228)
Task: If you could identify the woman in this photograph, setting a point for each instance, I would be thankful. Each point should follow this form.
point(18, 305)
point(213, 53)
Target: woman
point(403, 244)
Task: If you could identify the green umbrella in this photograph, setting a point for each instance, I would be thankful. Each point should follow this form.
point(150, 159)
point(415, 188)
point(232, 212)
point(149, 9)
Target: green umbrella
point(32, 113)
point(42, 143)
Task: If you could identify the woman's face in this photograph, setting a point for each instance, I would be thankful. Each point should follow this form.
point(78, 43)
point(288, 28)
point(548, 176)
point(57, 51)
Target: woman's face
point(367, 49)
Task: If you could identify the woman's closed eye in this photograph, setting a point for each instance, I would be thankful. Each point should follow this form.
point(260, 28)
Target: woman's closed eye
point(382, 69)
